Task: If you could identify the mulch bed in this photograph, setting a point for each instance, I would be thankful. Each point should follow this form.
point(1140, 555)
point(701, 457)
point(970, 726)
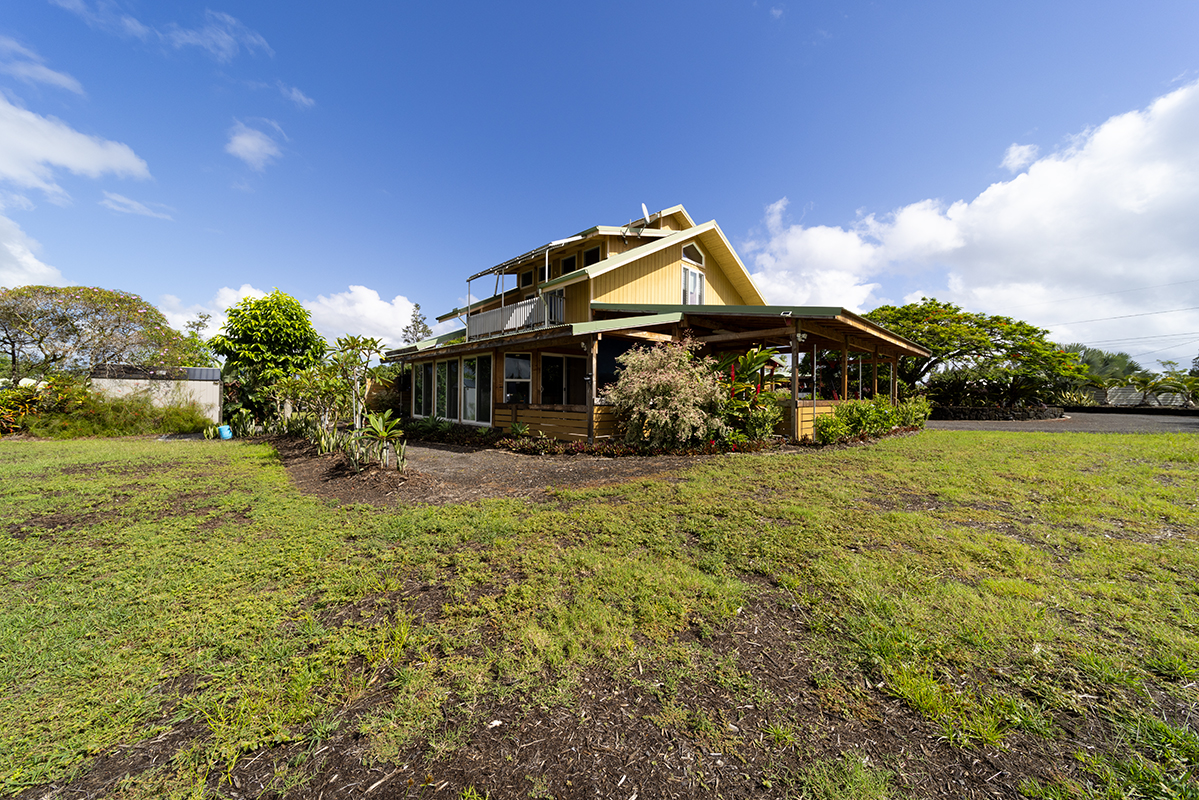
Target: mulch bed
point(438, 474)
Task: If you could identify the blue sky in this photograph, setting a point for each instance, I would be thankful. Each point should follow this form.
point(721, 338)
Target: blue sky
point(1034, 159)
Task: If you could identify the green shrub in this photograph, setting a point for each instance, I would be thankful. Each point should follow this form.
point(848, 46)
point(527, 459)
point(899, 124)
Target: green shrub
point(64, 408)
point(858, 419)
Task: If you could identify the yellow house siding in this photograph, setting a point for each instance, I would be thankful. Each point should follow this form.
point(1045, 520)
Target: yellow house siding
point(657, 278)
point(720, 291)
point(578, 302)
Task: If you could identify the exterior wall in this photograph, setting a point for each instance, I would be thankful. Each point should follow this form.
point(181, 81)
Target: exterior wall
point(558, 422)
point(720, 291)
point(806, 414)
point(657, 278)
point(205, 394)
point(578, 302)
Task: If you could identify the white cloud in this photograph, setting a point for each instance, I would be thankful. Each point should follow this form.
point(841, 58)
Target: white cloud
point(126, 206)
point(293, 94)
point(31, 146)
point(357, 312)
point(105, 17)
point(1091, 231)
point(360, 312)
point(19, 264)
point(1019, 156)
point(28, 66)
point(178, 315)
point(222, 36)
point(252, 146)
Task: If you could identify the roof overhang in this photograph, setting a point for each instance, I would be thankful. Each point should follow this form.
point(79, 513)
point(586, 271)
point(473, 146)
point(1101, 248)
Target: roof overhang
point(825, 327)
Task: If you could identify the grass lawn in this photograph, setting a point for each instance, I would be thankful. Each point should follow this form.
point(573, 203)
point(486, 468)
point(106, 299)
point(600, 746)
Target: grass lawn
point(176, 620)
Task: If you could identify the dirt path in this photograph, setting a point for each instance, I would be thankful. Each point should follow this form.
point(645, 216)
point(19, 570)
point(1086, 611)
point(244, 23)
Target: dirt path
point(1080, 422)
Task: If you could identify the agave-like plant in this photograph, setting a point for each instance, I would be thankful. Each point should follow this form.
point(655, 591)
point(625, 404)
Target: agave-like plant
point(383, 432)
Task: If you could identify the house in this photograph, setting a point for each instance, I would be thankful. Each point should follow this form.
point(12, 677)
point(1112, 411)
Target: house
point(541, 347)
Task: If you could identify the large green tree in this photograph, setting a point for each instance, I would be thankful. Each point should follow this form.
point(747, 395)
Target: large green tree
point(268, 338)
point(965, 340)
point(45, 329)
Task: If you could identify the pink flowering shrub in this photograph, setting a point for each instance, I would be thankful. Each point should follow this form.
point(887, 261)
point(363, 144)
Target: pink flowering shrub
point(667, 397)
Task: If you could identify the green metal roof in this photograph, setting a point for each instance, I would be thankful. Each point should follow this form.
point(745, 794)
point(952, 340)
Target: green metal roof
point(625, 323)
point(760, 311)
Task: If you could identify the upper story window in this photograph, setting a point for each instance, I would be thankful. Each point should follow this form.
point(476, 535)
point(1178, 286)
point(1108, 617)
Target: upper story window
point(693, 287)
point(526, 279)
point(541, 274)
point(692, 253)
point(591, 256)
point(568, 264)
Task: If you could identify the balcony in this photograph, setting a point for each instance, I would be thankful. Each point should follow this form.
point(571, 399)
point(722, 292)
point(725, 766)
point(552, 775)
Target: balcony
point(536, 312)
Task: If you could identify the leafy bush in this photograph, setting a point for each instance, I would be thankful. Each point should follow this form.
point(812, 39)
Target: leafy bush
point(860, 419)
point(666, 397)
point(750, 407)
point(998, 386)
point(64, 408)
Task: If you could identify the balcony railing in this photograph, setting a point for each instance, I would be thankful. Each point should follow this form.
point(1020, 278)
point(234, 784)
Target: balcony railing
point(536, 312)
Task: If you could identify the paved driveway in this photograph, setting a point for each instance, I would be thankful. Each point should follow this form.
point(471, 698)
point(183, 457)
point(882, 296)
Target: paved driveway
point(1080, 422)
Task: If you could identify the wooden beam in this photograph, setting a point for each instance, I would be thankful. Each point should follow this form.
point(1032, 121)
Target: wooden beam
point(766, 333)
point(795, 381)
point(874, 373)
point(593, 350)
point(845, 369)
point(648, 336)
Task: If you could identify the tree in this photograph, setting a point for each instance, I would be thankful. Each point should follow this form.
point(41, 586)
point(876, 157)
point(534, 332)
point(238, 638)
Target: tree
point(197, 349)
point(264, 340)
point(46, 329)
point(961, 339)
point(417, 329)
point(1195, 367)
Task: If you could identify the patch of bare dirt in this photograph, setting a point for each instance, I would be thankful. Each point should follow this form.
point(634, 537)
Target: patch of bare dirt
point(444, 474)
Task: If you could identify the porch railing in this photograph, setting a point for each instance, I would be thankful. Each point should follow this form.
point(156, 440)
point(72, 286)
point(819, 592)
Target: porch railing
point(536, 312)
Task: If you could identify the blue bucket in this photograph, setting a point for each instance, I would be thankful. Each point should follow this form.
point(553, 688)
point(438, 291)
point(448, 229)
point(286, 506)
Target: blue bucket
point(225, 431)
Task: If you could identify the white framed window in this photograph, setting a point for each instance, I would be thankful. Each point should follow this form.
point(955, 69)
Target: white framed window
point(476, 390)
point(422, 389)
point(591, 256)
point(568, 264)
point(692, 253)
point(446, 400)
point(518, 377)
point(693, 287)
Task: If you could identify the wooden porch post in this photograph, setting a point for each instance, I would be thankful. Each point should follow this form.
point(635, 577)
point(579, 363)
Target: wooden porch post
point(874, 373)
point(845, 369)
point(592, 350)
point(795, 382)
point(894, 380)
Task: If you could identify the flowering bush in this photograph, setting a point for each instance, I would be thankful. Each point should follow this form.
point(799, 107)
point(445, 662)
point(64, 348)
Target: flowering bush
point(666, 397)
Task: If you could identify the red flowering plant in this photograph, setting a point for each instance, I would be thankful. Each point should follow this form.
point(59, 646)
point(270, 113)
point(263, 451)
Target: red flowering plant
point(748, 381)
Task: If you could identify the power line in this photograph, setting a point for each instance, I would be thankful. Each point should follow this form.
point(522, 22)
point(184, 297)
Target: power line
point(1143, 338)
point(1124, 316)
point(1171, 347)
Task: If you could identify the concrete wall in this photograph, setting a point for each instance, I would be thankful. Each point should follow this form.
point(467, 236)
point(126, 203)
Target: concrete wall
point(205, 394)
